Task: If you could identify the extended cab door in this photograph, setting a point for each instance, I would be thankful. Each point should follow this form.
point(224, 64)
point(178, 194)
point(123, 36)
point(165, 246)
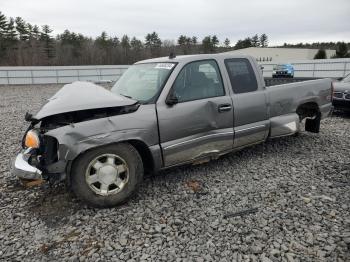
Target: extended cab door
point(200, 123)
point(249, 101)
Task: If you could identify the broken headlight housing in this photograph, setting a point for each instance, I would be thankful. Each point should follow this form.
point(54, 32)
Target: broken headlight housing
point(32, 139)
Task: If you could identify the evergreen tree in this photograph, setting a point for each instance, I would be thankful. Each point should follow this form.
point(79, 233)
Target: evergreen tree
point(342, 50)
point(154, 43)
point(10, 43)
point(255, 40)
point(194, 40)
point(215, 42)
point(102, 40)
point(227, 43)
point(36, 32)
point(64, 38)
point(136, 44)
point(184, 42)
point(30, 31)
point(207, 44)
point(210, 43)
point(136, 47)
point(264, 40)
point(247, 42)
point(22, 29)
point(48, 42)
point(11, 34)
point(125, 44)
point(3, 25)
point(321, 54)
point(181, 40)
point(3, 31)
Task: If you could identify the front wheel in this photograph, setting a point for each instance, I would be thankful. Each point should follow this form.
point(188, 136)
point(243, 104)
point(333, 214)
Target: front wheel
point(107, 176)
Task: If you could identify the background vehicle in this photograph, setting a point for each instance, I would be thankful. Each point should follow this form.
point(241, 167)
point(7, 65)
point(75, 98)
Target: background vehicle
point(341, 95)
point(161, 113)
point(283, 70)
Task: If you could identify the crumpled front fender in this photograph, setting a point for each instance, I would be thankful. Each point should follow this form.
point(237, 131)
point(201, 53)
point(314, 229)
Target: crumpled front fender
point(77, 138)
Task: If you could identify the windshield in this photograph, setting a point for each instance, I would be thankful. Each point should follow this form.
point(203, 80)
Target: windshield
point(143, 82)
point(346, 79)
point(280, 67)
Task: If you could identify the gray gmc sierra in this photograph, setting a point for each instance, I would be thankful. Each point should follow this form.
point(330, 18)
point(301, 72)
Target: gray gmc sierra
point(161, 113)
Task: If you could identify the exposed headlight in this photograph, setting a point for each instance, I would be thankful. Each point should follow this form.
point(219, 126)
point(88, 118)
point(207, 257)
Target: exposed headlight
point(32, 139)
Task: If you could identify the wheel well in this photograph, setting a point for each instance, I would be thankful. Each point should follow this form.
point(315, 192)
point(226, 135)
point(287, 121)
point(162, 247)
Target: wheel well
point(311, 112)
point(309, 109)
point(141, 147)
point(145, 153)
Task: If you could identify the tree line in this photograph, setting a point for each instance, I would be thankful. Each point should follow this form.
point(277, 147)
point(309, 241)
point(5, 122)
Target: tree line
point(341, 48)
point(24, 44)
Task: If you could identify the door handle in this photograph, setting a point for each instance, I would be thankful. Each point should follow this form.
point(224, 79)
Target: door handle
point(224, 108)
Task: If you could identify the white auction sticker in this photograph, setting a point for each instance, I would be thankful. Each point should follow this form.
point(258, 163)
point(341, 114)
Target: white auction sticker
point(165, 66)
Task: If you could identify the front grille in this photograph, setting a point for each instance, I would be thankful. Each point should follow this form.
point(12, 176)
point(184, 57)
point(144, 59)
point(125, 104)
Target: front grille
point(338, 95)
point(49, 150)
point(345, 104)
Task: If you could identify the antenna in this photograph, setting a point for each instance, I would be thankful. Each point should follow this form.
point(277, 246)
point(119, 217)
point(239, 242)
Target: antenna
point(172, 55)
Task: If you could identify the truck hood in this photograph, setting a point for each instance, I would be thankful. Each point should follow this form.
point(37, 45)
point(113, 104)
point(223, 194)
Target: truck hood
point(81, 96)
point(341, 87)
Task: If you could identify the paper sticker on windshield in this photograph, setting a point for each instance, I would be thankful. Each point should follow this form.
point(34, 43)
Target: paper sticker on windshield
point(167, 66)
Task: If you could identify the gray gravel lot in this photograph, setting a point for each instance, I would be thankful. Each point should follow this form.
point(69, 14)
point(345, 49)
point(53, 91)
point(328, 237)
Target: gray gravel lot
point(299, 185)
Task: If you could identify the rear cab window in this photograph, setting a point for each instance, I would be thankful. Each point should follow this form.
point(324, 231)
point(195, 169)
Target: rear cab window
point(241, 74)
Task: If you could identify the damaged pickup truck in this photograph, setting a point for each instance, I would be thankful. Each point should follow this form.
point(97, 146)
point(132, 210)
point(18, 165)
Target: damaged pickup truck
point(161, 113)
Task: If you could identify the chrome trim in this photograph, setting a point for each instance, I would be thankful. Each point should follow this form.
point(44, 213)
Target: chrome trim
point(22, 169)
point(198, 138)
point(249, 128)
point(343, 95)
point(225, 108)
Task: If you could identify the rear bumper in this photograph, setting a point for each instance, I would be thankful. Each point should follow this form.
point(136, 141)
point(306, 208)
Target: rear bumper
point(22, 169)
point(325, 110)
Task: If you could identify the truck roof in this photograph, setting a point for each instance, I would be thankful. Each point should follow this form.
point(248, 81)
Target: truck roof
point(189, 58)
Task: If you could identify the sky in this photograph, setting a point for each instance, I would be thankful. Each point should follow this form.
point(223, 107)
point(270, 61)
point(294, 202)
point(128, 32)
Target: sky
point(291, 21)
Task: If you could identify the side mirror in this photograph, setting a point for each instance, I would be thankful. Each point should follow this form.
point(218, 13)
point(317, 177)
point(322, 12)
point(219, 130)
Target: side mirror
point(172, 99)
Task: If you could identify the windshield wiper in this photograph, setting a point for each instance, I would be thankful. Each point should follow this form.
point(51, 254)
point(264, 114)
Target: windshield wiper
point(130, 97)
point(126, 96)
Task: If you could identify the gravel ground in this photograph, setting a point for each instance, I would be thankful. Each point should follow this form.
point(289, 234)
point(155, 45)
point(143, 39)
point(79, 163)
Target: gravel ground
point(297, 189)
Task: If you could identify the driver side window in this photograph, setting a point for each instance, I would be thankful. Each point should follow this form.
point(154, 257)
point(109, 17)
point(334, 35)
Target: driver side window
point(198, 80)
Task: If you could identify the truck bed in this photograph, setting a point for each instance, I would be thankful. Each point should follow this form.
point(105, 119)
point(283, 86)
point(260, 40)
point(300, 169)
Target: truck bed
point(286, 98)
point(269, 81)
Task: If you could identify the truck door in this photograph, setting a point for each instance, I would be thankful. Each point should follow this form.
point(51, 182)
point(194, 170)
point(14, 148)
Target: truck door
point(250, 103)
point(200, 123)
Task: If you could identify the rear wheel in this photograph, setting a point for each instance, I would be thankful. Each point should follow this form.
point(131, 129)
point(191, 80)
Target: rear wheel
point(107, 176)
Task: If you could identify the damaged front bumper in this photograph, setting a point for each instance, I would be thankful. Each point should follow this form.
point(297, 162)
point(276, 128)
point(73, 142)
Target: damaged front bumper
point(23, 170)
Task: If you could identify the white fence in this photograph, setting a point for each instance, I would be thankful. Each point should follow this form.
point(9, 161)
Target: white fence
point(58, 74)
point(66, 74)
point(314, 68)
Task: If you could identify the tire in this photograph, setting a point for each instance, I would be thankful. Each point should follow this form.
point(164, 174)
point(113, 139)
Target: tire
point(115, 180)
point(313, 125)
